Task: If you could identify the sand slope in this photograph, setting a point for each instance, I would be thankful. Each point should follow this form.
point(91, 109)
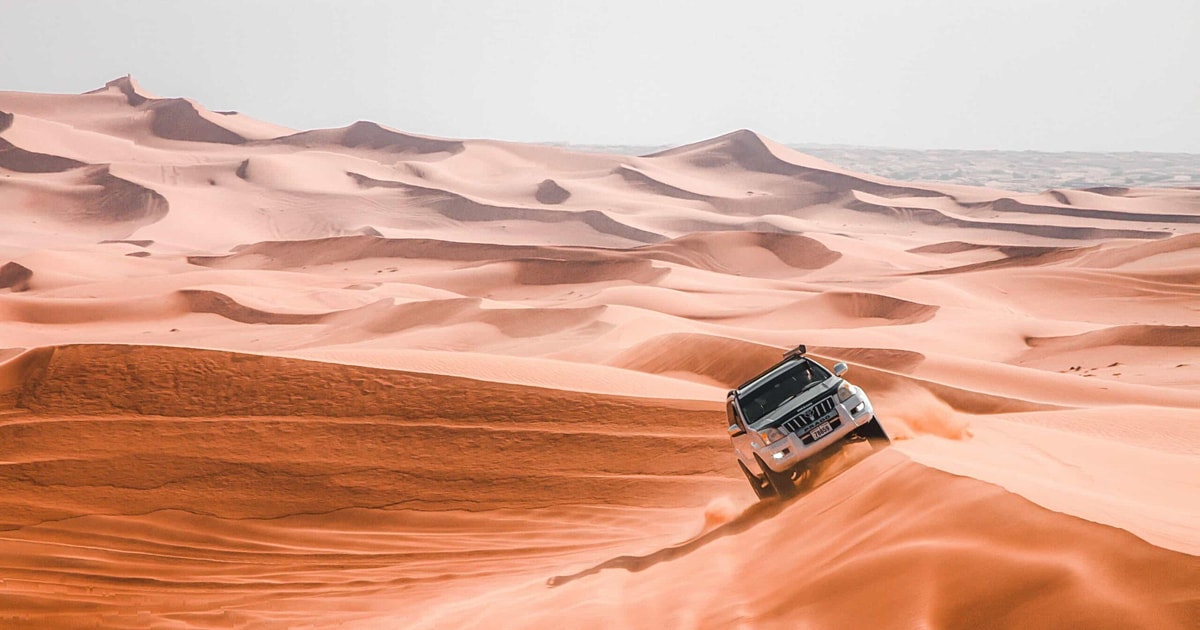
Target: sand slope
point(258, 377)
point(378, 517)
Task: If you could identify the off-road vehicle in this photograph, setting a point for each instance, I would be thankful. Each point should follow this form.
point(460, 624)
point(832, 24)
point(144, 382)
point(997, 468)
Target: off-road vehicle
point(780, 420)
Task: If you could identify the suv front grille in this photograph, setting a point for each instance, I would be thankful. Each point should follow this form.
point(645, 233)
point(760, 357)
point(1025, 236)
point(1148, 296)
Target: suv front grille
point(811, 416)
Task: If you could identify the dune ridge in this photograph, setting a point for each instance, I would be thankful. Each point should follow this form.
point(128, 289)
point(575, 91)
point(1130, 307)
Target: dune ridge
point(373, 136)
point(1145, 335)
point(129, 87)
point(755, 153)
point(929, 216)
point(720, 252)
point(1006, 204)
point(176, 382)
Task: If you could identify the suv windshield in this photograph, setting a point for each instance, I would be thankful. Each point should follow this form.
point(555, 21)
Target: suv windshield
point(770, 395)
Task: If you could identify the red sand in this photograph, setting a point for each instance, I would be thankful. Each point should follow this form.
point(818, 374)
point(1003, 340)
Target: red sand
point(360, 378)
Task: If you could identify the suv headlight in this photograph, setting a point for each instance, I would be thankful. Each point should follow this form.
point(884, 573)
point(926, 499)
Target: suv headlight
point(770, 436)
point(845, 391)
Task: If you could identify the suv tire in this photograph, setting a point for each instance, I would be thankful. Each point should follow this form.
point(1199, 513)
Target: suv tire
point(874, 434)
point(762, 487)
point(781, 483)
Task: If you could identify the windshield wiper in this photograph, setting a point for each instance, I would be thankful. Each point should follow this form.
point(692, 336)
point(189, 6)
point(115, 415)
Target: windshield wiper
point(802, 390)
point(810, 386)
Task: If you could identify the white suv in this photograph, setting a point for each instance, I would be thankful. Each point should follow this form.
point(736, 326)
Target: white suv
point(780, 419)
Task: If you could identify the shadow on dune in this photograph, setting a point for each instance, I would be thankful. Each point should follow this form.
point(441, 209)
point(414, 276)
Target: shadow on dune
point(828, 468)
point(720, 252)
point(750, 517)
point(15, 158)
point(938, 218)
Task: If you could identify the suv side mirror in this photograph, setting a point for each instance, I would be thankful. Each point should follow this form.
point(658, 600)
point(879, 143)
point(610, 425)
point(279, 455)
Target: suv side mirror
point(734, 430)
point(840, 369)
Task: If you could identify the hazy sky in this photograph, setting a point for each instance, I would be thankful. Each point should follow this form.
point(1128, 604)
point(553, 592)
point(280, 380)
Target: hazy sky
point(1016, 74)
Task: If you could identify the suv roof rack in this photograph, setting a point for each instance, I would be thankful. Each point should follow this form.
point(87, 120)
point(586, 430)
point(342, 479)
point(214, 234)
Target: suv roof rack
point(796, 352)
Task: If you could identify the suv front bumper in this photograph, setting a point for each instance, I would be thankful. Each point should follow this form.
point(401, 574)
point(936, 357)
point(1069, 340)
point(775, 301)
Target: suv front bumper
point(785, 454)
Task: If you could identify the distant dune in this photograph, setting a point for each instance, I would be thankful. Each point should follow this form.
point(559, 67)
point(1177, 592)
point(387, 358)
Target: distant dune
point(258, 377)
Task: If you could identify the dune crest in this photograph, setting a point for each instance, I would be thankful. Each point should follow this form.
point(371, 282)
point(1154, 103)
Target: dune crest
point(373, 136)
point(130, 88)
point(742, 147)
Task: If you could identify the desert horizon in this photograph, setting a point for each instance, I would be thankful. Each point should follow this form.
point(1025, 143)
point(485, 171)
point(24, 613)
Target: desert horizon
point(254, 376)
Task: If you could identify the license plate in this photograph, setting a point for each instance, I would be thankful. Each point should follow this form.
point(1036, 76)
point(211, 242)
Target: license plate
point(821, 431)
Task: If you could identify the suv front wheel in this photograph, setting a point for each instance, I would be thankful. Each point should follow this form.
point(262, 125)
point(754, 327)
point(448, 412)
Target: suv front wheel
point(874, 434)
point(780, 482)
point(762, 487)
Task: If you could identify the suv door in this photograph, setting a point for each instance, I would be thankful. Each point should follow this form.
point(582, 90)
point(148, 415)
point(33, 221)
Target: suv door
point(739, 434)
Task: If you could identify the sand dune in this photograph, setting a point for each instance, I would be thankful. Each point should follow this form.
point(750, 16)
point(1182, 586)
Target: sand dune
point(892, 360)
point(729, 253)
point(644, 181)
point(373, 136)
point(1008, 205)
point(752, 152)
point(740, 253)
point(15, 277)
point(220, 304)
point(312, 518)
point(1182, 247)
point(185, 120)
point(1148, 353)
point(728, 362)
point(1033, 227)
point(948, 516)
point(551, 193)
point(43, 311)
point(89, 199)
point(465, 209)
point(841, 310)
point(361, 378)
point(873, 306)
point(1125, 336)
